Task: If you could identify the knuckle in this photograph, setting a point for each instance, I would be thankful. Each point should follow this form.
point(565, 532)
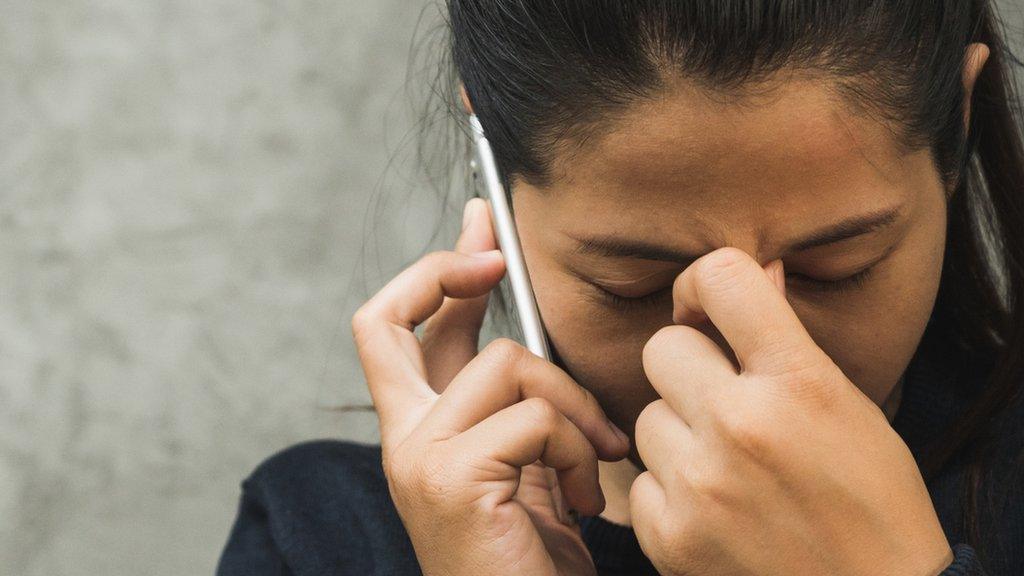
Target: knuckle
point(436, 258)
point(710, 486)
point(363, 318)
point(775, 354)
point(749, 431)
point(542, 412)
point(361, 322)
point(504, 352)
point(812, 381)
point(738, 427)
point(807, 373)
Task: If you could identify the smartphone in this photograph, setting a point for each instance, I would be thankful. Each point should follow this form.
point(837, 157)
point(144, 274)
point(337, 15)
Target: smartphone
point(485, 173)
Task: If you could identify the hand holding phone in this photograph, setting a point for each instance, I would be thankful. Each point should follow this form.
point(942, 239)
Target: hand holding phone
point(475, 443)
point(485, 172)
point(469, 435)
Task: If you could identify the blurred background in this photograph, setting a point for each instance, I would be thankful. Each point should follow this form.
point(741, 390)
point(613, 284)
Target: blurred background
point(187, 190)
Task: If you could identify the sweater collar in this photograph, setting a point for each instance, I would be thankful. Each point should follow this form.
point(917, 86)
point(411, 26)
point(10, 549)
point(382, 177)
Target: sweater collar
point(934, 396)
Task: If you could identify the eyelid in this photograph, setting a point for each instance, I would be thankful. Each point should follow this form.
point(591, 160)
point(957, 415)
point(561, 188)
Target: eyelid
point(637, 287)
point(625, 303)
point(631, 287)
point(616, 283)
point(864, 268)
point(853, 281)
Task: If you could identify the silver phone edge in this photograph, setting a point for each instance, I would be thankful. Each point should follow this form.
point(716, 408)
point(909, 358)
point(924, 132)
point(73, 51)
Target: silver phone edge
point(508, 241)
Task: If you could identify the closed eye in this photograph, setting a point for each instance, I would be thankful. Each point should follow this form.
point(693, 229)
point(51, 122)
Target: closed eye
point(630, 303)
point(851, 282)
point(652, 299)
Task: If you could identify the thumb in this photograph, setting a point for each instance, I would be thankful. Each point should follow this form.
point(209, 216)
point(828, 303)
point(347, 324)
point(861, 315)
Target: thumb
point(477, 232)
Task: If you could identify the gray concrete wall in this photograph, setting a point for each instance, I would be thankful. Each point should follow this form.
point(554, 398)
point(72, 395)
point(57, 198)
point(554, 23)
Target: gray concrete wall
point(183, 188)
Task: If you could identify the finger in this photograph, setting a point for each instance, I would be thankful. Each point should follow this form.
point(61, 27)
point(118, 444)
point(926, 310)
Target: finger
point(450, 337)
point(648, 502)
point(533, 430)
point(536, 483)
point(663, 441)
point(383, 327)
point(538, 491)
point(743, 302)
point(689, 370)
point(557, 497)
point(505, 373)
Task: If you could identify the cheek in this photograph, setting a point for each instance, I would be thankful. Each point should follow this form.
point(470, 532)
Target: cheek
point(601, 350)
point(872, 335)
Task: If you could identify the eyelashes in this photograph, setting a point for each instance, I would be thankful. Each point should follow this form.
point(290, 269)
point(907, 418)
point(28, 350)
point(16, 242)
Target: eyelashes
point(626, 304)
point(842, 285)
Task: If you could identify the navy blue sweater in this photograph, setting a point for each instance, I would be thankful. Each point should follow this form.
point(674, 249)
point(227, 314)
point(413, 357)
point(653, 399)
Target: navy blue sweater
point(323, 508)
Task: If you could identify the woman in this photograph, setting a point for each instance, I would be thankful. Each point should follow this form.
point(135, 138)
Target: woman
point(777, 247)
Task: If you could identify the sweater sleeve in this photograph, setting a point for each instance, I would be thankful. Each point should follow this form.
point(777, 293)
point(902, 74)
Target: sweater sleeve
point(318, 509)
point(965, 563)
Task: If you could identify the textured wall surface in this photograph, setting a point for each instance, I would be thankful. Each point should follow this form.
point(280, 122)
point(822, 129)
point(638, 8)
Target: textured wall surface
point(183, 188)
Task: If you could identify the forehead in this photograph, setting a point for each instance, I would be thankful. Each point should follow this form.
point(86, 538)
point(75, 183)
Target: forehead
point(788, 152)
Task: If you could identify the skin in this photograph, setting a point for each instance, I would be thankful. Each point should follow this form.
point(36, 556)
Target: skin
point(767, 179)
point(739, 389)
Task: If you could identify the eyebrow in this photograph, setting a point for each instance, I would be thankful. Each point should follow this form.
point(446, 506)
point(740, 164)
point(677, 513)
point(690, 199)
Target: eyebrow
point(611, 247)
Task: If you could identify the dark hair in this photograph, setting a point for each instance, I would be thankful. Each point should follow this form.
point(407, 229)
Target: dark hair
point(546, 75)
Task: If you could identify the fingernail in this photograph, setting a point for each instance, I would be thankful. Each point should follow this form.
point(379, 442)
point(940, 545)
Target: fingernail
point(488, 255)
point(618, 432)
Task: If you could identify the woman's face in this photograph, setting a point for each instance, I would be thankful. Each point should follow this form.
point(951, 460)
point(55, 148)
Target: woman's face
point(792, 174)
